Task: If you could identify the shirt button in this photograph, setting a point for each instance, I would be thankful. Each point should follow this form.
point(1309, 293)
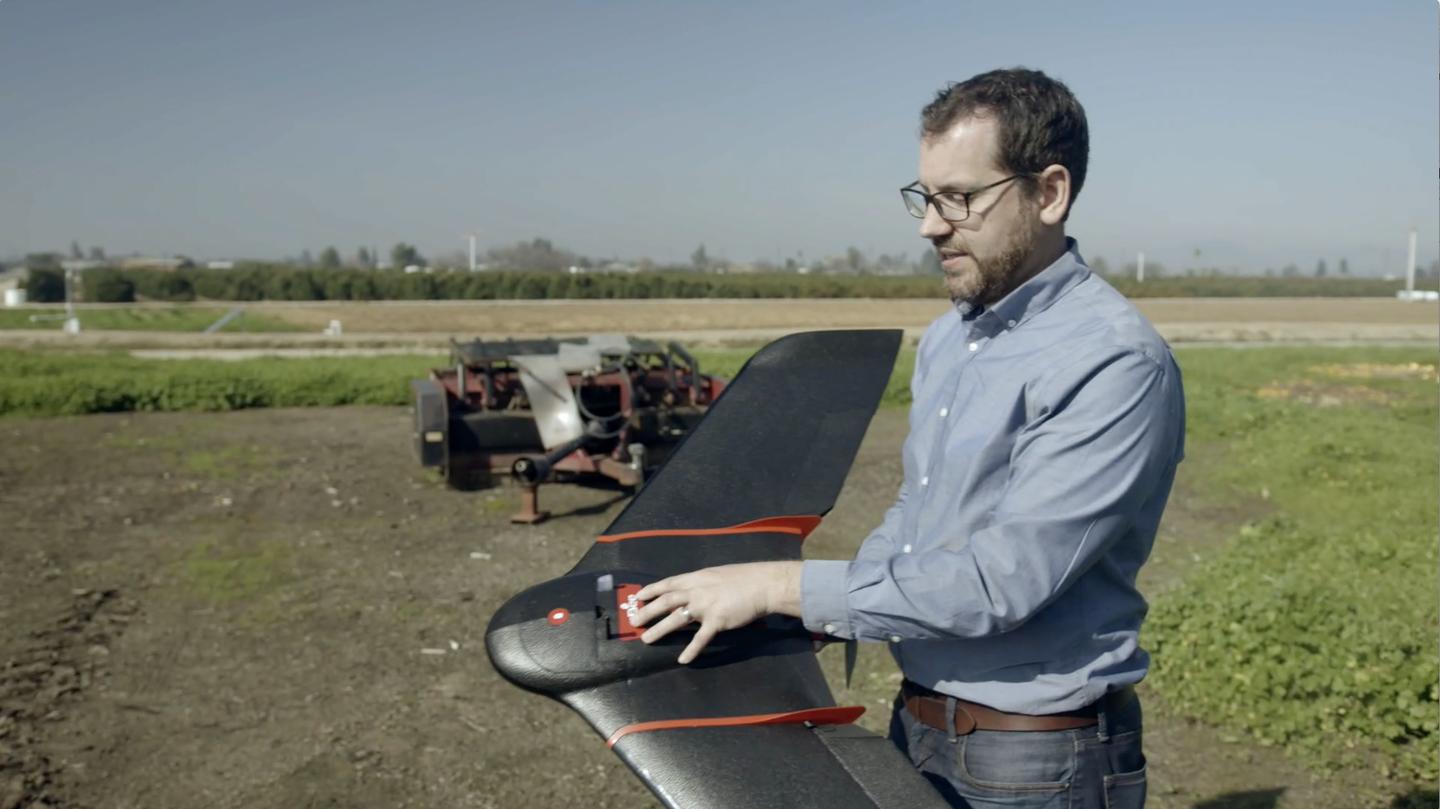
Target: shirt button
point(894, 638)
point(925, 481)
point(906, 549)
point(974, 346)
point(944, 411)
point(829, 629)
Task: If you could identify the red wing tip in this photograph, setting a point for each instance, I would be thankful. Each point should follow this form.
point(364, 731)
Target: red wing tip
point(798, 525)
point(834, 715)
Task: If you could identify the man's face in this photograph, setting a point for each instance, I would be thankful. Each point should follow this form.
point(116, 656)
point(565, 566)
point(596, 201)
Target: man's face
point(982, 254)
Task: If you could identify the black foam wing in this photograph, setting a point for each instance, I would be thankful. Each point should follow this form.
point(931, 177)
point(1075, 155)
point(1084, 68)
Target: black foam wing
point(751, 722)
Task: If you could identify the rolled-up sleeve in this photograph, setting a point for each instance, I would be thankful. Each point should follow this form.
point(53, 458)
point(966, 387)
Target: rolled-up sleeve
point(1103, 437)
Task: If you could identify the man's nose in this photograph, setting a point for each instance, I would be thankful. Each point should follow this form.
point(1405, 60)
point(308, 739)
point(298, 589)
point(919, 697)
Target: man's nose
point(933, 226)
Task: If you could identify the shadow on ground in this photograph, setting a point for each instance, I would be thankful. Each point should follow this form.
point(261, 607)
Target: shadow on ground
point(1248, 799)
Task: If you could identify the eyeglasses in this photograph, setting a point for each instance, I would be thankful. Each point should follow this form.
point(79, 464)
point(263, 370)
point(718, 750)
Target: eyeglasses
point(953, 206)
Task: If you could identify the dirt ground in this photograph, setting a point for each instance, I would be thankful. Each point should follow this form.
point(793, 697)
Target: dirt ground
point(281, 609)
point(430, 324)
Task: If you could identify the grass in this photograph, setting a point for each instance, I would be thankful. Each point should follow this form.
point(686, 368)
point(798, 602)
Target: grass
point(1314, 628)
point(169, 319)
point(228, 462)
point(43, 383)
point(224, 573)
point(54, 383)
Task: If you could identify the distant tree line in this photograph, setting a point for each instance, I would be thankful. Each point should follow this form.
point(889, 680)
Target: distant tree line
point(538, 269)
point(258, 282)
point(252, 281)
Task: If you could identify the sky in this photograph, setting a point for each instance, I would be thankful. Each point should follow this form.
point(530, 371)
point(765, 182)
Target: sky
point(1229, 134)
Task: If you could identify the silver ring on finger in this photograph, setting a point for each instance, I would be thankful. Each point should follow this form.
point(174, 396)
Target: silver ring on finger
point(685, 612)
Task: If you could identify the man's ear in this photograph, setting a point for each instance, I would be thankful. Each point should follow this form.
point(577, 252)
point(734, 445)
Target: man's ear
point(1054, 183)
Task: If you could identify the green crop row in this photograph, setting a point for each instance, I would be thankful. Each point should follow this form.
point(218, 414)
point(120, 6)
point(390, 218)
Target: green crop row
point(64, 383)
point(255, 281)
point(1314, 628)
point(55, 383)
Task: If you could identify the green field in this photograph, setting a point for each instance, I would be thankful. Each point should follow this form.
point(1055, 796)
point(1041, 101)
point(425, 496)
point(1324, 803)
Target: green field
point(55, 383)
point(177, 318)
point(1312, 629)
point(41, 383)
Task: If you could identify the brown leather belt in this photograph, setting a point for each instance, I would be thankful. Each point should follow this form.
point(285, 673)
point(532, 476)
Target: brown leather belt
point(928, 707)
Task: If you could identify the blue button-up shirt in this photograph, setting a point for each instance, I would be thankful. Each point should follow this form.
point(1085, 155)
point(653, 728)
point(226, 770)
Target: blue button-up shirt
point(1044, 436)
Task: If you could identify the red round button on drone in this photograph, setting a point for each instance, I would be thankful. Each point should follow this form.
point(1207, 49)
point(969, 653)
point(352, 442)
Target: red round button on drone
point(559, 616)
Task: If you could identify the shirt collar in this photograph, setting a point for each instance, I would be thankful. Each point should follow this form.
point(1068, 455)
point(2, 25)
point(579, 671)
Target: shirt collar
point(1032, 297)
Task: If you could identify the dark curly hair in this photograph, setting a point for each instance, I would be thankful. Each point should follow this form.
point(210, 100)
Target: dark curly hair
point(1040, 122)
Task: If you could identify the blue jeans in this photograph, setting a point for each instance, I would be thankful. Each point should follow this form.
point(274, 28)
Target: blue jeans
point(1099, 767)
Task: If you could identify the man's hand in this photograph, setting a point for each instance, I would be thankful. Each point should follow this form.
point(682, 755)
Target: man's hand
point(718, 598)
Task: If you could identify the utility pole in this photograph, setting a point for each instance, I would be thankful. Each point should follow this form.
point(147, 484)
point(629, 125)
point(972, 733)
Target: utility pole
point(72, 322)
point(1410, 266)
point(472, 252)
point(1140, 267)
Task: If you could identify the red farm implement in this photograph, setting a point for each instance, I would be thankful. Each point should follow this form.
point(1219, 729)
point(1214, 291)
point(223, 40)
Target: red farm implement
point(604, 408)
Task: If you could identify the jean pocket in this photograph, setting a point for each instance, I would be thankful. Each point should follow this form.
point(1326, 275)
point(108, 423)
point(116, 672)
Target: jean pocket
point(922, 743)
point(1125, 790)
point(1017, 763)
point(909, 736)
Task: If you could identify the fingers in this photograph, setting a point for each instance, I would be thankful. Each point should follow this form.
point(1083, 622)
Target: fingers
point(656, 589)
point(679, 620)
point(667, 603)
point(702, 638)
point(670, 623)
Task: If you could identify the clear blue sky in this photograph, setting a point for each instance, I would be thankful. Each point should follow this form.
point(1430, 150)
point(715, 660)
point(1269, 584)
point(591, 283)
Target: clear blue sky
point(1256, 133)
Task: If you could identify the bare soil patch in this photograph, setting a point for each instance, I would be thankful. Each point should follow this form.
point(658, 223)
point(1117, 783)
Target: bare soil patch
point(584, 316)
point(1370, 370)
point(1344, 392)
point(530, 317)
point(292, 615)
point(428, 325)
point(1321, 395)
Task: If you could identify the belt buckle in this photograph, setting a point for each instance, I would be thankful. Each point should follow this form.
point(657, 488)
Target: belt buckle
point(964, 721)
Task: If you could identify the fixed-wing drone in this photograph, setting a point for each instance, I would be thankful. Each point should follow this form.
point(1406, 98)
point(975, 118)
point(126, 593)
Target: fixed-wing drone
point(751, 722)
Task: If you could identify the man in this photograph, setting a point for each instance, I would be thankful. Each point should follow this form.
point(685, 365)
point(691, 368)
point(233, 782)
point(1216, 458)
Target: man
point(1047, 423)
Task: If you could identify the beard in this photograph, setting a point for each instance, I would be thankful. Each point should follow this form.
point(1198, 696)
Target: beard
point(985, 280)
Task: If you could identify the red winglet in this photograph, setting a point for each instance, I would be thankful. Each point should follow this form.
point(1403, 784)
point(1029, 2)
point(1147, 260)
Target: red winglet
point(800, 526)
point(838, 715)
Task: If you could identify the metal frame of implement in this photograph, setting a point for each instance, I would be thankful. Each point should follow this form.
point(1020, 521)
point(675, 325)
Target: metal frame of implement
point(538, 411)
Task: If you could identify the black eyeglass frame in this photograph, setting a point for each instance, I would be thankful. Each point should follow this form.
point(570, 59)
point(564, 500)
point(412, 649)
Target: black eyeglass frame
point(914, 188)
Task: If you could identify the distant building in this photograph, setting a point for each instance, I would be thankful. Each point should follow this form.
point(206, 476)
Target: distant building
point(144, 263)
point(223, 264)
point(12, 277)
point(1418, 295)
point(79, 264)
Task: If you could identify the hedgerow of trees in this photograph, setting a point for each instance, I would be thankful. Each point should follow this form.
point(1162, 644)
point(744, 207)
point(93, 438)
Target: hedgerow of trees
point(259, 281)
